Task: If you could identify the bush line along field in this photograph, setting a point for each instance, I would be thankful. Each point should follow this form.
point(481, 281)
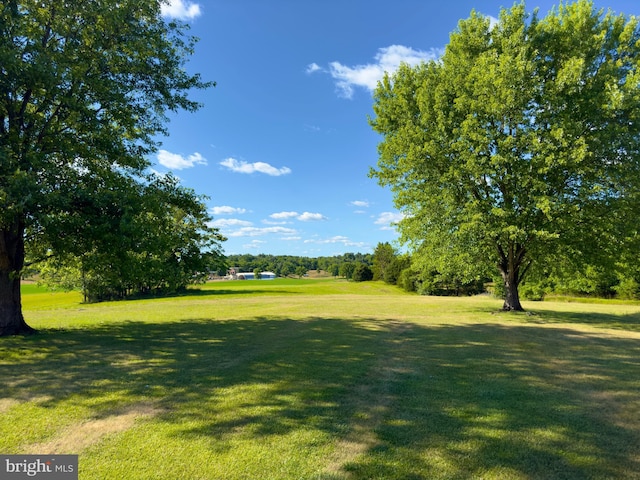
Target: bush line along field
point(324, 379)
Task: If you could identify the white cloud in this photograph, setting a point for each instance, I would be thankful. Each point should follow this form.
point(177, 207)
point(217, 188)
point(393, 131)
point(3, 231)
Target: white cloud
point(388, 59)
point(347, 78)
point(178, 162)
point(303, 217)
point(313, 67)
point(292, 238)
point(338, 239)
point(230, 222)
point(157, 173)
point(254, 244)
point(180, 9)
point(493, 22)
point(284, 215)
point(360, 203)
point(257, 232)
point(227, 210)
point(387, 219)
point(311, 217)
point(241, 166)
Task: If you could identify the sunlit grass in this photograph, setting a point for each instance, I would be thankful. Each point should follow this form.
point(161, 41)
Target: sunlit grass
point(324, 379)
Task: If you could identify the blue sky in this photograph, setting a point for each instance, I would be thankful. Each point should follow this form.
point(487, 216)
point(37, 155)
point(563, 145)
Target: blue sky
point(282, 145)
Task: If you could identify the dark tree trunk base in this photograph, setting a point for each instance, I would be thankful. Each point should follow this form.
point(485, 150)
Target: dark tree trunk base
point(11, 265)
point(511, 297)
point(21, 329)
point(509, 308)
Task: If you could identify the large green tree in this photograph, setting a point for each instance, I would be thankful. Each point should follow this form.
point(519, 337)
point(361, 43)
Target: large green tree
point(85, 87)
point(520, 144)
point(383, 257)
point(149, 237)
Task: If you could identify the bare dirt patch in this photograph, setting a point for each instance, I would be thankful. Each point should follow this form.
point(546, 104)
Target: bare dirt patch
point(7, 403)
point(80, 436)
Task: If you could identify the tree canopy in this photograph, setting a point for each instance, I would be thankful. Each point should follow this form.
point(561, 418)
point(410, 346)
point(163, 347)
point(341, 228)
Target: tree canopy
point(519, 145)
point(85, 87)
point(150, 238)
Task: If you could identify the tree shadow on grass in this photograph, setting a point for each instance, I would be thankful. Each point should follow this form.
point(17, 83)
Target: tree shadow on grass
point(512, 402)
point(213, 292)
point(628, 321)
point(459, 401)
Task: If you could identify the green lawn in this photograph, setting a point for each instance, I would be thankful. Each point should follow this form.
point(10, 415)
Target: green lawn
point(324, 379)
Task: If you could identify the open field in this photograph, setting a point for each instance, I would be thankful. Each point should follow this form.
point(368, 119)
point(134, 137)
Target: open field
point(324, 379)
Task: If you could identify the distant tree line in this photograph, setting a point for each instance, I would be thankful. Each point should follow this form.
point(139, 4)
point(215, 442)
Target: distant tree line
point(404, 271)
point(181, 253)
point(289, 265)
point(619, 279)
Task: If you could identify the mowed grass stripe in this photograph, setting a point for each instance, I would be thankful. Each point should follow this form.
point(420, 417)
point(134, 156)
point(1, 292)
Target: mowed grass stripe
point(326, 380)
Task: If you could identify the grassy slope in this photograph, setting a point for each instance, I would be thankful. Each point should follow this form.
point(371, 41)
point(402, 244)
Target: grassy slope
point(324, 379)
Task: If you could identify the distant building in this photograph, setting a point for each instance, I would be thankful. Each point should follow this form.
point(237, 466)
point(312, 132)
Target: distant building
point(234, 274)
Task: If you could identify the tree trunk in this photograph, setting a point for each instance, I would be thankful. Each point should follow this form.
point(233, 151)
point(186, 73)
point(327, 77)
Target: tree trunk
point(510, 265)
point(511, 294)
point(11, 264)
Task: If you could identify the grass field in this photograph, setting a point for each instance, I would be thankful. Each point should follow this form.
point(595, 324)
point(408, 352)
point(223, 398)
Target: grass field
point(324, 379)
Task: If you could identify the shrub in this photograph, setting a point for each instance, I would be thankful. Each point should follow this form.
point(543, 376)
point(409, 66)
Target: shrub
point(407, 280)
point(533, 291)
point(362, 273)
point(628, 289)
point(346, 270)
point(395, 269)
